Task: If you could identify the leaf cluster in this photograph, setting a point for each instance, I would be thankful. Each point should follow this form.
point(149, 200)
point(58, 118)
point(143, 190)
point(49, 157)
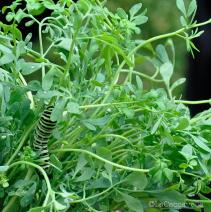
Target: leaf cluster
point(117, 146)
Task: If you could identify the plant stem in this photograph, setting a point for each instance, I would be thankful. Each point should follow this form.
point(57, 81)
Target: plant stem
point(200, 24)
point(142, 75)
point(96, 195)
point(107, 104)
point(193, 102)
point(10, 204)
point(21, 143)
point(41, 48)
point(101, 159)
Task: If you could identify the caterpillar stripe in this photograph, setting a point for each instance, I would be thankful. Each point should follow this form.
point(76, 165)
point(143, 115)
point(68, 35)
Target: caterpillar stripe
point(42, 134)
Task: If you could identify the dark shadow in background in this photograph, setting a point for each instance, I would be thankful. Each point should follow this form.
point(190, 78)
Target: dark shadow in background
point(199, 70)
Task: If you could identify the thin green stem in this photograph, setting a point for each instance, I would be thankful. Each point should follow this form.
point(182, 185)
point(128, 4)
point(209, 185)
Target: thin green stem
point(169, 92)
point(41, 48)
point(156, 73)
point(101, 159)
point(49, 48)
point(193, 102)
point(190, 174)
point(21, 143)
point(96, 195)
point(200, 24)
point(142, 75)
point(107, 104)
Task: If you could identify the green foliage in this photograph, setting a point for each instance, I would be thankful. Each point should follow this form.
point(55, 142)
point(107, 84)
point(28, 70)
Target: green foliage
point(117, 145)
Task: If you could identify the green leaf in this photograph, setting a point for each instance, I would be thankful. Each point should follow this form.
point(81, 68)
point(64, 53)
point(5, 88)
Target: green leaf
point(55, 161)
point(10, 16)
point(187, 151)
point(20, 49)
point(64, 43)
point(134, 9)
point(140, 19)
point(80, 164)
point(73, 108)
point(133, 204)
point(105, 153)
point(169, 174)
point(48, 94)
point(200, 142)
point(87, 173)
point(34, 85)
point(28, 196)
point(49, 4)
point(99, 121)
point(39, 209)
point(48, 79)
point(111, 41)
point(137, 180)
point(170, 46)
point(59, 206)
point(5, 49)
point(121, 13)
point(20, 15)
point(29, 23)
point(139, 84)
point(177, 83)
point(4, 168)
point(28, 67)
point(162, 53)
point(6, 59)
point(34, 7)
point(181, 6)
point(156, 125)
point(128, 112)
point(183, 123)
point(7, 56)
point(166, 71)
point(192, 8)
point(88, 125)
point(183, 21)
point(57, 112)
point(100, 78)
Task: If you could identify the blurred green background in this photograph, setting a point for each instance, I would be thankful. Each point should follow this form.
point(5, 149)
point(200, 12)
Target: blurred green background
point(163, 18)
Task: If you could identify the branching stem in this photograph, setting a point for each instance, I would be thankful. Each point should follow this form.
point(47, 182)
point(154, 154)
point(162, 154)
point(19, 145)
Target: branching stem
point(101, 159)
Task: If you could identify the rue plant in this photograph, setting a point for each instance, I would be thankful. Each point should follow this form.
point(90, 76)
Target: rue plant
point(117, 146)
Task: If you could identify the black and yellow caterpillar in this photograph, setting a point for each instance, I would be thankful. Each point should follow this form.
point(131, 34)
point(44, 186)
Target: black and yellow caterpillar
point(42, 134)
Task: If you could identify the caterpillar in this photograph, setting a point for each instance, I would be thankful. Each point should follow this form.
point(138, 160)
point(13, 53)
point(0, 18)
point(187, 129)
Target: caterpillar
point(42, 134)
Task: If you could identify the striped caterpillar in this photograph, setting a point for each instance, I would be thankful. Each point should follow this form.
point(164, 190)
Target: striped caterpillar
point(42, 134)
